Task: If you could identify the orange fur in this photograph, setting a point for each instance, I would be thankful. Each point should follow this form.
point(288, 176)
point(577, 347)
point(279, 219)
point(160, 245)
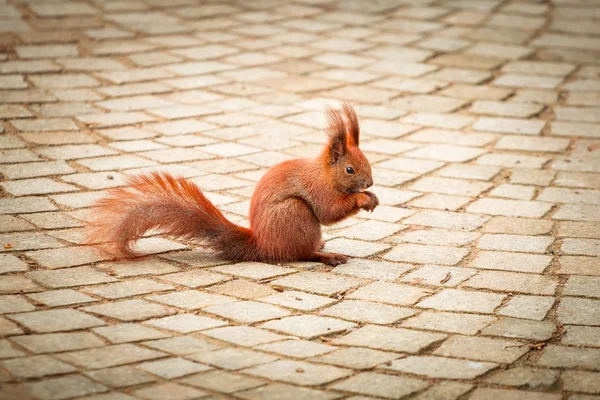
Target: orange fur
point(287, 209)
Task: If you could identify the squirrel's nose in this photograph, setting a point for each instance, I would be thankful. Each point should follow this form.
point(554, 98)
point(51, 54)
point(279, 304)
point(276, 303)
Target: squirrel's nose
point(368, 183)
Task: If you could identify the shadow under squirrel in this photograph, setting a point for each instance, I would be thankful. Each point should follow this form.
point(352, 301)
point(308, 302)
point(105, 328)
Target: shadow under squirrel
point(288, 206)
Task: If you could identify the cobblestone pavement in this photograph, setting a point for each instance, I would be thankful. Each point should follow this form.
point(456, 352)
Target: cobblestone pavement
point(478, 277)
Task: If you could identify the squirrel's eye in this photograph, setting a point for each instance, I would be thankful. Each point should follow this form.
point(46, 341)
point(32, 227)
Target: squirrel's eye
point(350, 170)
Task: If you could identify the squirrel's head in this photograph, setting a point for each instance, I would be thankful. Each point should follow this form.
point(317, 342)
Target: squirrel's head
point(349, 168)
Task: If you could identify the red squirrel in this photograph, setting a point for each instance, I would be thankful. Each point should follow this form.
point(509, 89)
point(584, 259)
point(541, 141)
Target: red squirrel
point(288, 206)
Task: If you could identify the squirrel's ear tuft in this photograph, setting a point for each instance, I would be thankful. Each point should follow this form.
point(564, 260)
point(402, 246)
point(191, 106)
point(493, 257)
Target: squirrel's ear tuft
point(352, 126)
point(336, 129)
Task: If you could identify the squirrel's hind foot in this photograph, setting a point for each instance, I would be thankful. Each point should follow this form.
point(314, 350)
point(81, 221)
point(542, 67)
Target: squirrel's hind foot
point(332, 259)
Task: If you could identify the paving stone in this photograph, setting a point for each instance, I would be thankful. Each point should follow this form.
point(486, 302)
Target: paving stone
point(460, 300)
point(531, 177)
point(109, 356)
point(308, 326)
point(581, 286)
point(8, 351)
point(233, 358)
point(243, 289)
point(427, 254)
point(438, 275)
point(588, 247)
point(447, 220)
point(56, 320)
point(123, 376)
point(129, 310)
point(223, 381)
point(450, 186)
point(528, 307)
point(194, 279)
point(170, 368)
point(577, 212)
point(63, 388)
point(136, 268)
point(512, 160)
point(581, 336)
point(58, 342)
point(521, 376)
point(466, 324)
point(66, 257)
point(570, 357)
point(123, 333)
point(243, 335)
point(9, 223)
point(578, 311)
point(480, 348)
point(126, 289)
point(356, 357)
point(191, 299)
point(441, 201)
point(390, 339)
point(438, 237)
point(371, 269)
point(512, 282)
point(17, 284)
point(511, 261)
point(8, 328)
point(296, 348)
point(510, 208)
point(185, 323)
point(577, 265)
point(380, 385)
point(390, 293)
point(69, 277)
point(54, 220)
point(581, 381)
point(247, 311)
point(298, 372)
point(452, 137)
point(36, 367)
point(182, 345)
point(357, 248)
point(440, 367)
point(298, 300)
point(502, 109)
point(509, 125)
point(25, 205)
point(506, 394)
point(368, 312)
point(536, 96)
point(284, 391)
point(256, 271)
point(517, 226)
point(527, 81)
point(533, 144)
point(448, 153)
point(14, 304)
point(445, 391)
point(174, 391)
point(377, 230)
point(318, 282)
point(518, 328)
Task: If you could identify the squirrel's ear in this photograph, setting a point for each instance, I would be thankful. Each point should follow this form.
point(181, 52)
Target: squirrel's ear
point(352, 126)
point(337, 135)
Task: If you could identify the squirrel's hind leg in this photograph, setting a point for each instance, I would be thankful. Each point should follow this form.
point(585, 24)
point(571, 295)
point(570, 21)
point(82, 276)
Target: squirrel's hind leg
point(330, 258)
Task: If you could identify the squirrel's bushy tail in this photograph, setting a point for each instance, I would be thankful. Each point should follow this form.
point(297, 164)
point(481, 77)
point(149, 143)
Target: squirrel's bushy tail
point(171, 205)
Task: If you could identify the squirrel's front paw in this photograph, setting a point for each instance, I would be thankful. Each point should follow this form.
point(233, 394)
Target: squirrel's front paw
point(368, 201)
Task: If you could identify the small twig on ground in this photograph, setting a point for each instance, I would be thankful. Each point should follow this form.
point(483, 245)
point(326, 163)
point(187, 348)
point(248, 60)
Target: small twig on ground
point(446, 278)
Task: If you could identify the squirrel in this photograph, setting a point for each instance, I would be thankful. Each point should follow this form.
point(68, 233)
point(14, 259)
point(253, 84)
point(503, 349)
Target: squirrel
point(289, 204)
